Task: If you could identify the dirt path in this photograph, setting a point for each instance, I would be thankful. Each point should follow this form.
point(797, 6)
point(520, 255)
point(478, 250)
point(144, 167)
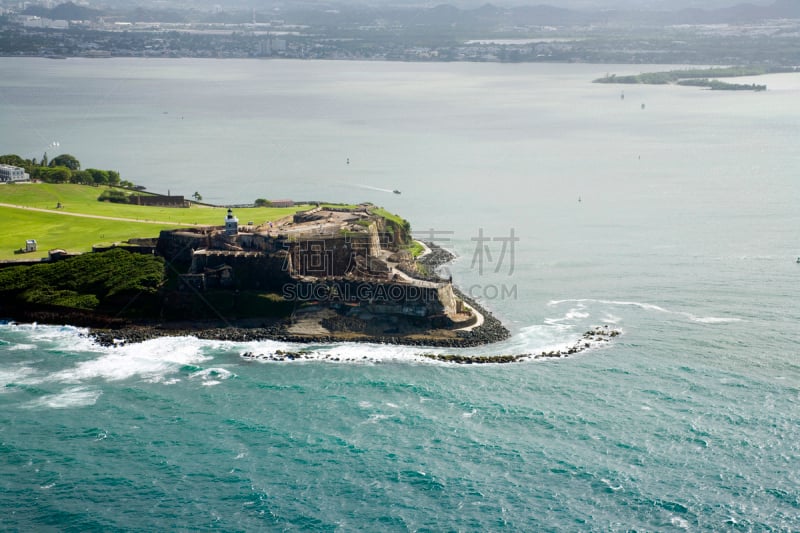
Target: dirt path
point(101, 217)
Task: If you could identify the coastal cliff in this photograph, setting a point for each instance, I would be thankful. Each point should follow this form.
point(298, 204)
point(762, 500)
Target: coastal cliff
point(323, 275)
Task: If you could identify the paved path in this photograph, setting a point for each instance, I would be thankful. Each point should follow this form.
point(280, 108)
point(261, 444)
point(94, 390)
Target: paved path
point(476, 324)
point(101, 217)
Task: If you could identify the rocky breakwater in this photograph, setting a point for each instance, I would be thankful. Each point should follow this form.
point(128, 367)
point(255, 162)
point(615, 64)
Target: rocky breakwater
point(592, 338)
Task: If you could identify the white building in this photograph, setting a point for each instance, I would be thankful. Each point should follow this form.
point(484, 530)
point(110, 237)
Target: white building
point(231, 224)
point(9, 173)
point(41, 22)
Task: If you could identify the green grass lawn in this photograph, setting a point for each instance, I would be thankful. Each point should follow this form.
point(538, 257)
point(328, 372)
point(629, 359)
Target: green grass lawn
point(416, 248)
point(77, 234)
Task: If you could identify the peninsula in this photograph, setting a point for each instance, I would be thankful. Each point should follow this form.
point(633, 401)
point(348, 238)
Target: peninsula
point(322, 273)
point(133, 265)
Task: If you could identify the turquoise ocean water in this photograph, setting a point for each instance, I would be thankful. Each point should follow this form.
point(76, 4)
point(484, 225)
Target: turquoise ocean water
point(675, 221)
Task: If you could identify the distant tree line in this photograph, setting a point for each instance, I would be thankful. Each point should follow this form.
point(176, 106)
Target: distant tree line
point(64, 168)
point(716, 85)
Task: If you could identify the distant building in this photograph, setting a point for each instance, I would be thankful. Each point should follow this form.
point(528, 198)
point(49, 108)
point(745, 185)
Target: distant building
point(42, 22)
point(281, 203)
point(270, 46)
point(9, 173)
point(30, 245)
point(231, 224)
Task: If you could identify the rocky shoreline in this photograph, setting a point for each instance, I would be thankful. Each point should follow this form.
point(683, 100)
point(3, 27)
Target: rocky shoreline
point(491, 331)
point(112, 331)
point(115, 331)
point(591, 338)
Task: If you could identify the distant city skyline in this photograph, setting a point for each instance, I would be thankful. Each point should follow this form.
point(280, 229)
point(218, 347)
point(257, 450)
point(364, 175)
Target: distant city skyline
point(644, 5)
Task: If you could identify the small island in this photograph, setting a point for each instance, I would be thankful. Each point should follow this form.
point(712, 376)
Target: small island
point(700, 77)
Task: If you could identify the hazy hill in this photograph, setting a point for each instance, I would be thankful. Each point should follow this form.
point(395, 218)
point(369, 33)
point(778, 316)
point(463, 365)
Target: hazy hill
point(66, 11)
point(450, 14)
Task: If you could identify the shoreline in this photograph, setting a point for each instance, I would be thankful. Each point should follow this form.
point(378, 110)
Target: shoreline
point(111, 331)
point(491, 330)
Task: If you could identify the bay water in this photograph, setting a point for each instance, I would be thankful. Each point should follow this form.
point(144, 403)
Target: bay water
point(670, 213)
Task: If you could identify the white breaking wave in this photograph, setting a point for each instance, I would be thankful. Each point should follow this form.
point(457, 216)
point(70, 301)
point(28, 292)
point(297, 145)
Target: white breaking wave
point(21, 347)
point(16, 374)
point(711, 319)
point(212, 376)
point(550, 336)
point(152, 359)
point(170, 360)
point(650, 307)
point(76, 337)
point(359, 353)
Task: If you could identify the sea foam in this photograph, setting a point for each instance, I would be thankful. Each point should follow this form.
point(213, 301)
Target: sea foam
point(152, 360)
point(68, 398)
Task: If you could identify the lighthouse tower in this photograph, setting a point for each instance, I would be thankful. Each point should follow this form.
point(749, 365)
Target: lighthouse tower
point(231, 224)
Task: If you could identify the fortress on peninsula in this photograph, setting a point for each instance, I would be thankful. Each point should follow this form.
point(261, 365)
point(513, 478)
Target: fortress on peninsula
point(347, 265)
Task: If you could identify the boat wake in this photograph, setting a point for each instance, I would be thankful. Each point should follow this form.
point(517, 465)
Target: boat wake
point(371, 188)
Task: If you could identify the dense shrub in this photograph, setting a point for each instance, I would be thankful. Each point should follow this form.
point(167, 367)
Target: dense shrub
point(98, 281)
point(114, 195)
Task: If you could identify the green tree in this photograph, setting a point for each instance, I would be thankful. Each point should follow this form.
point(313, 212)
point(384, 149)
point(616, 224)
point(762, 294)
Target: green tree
point(99, 177)
point(13, 160)
point(197, 196)
point(113, 177)
point(82, 177)
point(262, 202)
point(55, 174)
point(66, 160)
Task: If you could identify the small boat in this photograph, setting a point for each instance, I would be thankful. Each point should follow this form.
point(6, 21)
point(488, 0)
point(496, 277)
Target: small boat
point(396, 191)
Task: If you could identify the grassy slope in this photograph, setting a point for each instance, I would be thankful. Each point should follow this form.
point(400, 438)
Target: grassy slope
point(76, 234)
